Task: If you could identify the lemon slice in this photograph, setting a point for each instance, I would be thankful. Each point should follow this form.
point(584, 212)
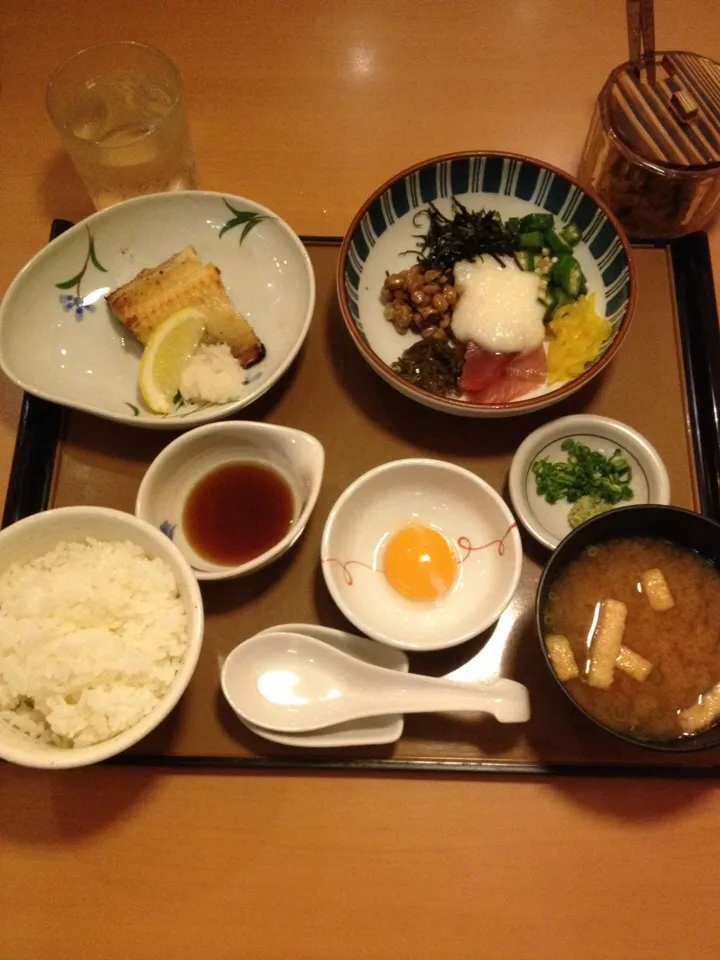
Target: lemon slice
point(167, 352)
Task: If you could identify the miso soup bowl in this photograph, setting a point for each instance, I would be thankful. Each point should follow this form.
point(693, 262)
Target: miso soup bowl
point(681, 527)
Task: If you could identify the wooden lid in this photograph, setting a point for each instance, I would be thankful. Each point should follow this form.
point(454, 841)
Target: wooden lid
point(669, 111)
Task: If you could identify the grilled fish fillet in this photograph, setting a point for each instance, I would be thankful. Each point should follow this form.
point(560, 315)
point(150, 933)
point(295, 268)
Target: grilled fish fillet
point(183, 281)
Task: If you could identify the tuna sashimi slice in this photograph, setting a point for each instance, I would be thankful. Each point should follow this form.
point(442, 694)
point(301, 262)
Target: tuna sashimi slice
point(528, 366)
point(481, 368)
point(502, 391)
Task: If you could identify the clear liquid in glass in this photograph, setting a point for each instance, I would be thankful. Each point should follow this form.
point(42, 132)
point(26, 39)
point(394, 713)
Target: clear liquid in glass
point(128, 136)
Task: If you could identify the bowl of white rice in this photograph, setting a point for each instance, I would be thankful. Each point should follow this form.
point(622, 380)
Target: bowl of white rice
point(101, 625)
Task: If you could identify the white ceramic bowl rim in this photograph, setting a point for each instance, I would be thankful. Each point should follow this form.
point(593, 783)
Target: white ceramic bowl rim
point(32, 755)
point(501, 600)
point(248, 428)
point(615, 431)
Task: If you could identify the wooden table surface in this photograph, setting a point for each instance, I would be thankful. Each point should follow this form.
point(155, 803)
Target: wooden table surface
point(306, 105)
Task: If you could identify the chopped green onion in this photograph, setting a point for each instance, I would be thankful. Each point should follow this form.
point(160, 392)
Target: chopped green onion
point(585, 473)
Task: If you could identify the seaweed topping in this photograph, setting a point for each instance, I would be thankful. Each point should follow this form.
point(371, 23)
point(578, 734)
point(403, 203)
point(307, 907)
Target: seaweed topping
point(466, 235)
point(433, 365)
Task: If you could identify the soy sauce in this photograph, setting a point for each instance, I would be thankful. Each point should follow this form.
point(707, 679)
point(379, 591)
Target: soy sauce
point(237, 512)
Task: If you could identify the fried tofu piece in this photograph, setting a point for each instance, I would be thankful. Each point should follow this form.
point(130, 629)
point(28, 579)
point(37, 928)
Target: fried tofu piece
point(700, 715)
point(656, 589)
point(561, 657)
point(633, 664)
point(606, 643)
point(182, 281)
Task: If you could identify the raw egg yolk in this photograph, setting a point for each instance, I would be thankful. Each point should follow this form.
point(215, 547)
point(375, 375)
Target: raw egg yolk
point(419, 563)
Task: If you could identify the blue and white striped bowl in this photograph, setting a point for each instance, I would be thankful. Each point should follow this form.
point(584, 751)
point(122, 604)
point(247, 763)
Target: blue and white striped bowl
point(383, 231)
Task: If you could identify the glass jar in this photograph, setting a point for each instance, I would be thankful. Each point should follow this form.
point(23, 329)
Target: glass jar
point(653, 148)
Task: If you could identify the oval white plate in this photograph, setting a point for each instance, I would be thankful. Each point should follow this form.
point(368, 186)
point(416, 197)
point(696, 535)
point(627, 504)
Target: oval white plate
point(547, 522)
point(366, 732)
point(78, 355)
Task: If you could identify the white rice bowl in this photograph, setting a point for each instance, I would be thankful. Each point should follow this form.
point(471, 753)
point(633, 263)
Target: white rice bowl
point(101, 625)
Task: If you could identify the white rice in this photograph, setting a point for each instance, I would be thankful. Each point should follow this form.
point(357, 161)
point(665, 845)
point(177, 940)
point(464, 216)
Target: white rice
point(91, 636)
point(212, 375)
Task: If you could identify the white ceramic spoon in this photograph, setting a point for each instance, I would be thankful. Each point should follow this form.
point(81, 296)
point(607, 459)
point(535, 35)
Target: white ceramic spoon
point(293, 683)
point(364, 732)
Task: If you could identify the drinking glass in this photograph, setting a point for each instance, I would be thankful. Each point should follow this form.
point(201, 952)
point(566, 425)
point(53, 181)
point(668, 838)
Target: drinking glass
point(119, 110)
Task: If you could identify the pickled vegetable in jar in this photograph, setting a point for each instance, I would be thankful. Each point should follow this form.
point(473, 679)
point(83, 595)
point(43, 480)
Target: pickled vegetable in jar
point(653, 148)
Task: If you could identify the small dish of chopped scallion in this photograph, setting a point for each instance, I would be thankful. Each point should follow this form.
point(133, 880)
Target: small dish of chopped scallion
point(572, 469)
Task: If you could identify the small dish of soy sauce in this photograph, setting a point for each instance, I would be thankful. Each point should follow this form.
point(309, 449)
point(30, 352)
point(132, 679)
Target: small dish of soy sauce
point(233, 497)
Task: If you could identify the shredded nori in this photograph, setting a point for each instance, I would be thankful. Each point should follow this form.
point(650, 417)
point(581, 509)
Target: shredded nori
point(433, 365)
point(466, 235)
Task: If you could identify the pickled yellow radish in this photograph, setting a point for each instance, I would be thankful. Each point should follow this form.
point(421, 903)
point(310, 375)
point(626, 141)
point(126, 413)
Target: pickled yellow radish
point(576, 334)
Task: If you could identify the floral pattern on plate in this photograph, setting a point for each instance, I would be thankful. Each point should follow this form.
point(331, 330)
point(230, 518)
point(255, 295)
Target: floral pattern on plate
point(247, 219)
point(73, 301)
point(168, 529)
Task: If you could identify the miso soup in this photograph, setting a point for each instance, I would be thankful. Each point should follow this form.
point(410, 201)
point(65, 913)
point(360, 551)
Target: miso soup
point(681, 642)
